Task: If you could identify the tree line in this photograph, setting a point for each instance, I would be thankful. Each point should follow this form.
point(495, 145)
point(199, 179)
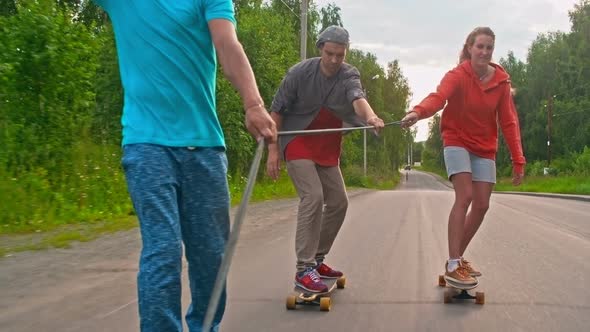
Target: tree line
point(61, 101)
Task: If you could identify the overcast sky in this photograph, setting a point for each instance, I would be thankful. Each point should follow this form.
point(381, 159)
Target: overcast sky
point(427, 35)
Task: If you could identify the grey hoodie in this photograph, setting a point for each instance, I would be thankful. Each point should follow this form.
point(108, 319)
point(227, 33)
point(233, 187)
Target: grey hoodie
point(305, 90)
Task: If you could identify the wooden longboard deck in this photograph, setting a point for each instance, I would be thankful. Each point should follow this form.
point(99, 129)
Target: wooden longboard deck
point(459, 291)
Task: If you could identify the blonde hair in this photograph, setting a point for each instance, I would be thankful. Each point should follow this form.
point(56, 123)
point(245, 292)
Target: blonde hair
point(470, 40)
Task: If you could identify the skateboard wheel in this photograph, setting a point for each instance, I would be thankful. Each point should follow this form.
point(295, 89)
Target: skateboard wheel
point(448, 296)
point(291, 302)
point(480, 298)
point(441, 281)
point(341, 282)
point(325, 304)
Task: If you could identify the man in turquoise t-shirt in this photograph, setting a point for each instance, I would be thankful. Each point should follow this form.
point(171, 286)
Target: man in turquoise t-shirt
point(173, 146)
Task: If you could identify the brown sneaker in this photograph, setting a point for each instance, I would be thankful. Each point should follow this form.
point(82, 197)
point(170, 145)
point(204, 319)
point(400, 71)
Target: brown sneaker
point(459, 276)
point(472, 271)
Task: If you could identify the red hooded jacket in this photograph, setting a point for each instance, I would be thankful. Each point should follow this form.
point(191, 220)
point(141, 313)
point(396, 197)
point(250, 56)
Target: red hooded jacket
point(473, 112)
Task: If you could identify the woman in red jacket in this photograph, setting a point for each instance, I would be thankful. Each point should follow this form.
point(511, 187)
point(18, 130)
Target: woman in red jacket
point(477, 95)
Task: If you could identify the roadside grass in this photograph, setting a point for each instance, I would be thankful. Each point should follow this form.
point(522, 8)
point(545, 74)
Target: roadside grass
point(52, 232)
point(561, 184)
point(439, 171)
point(575, 185)
point(49, 235)
point(265, 188)
point(63, 236)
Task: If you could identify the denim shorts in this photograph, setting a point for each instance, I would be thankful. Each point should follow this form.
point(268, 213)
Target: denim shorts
point(459, 160)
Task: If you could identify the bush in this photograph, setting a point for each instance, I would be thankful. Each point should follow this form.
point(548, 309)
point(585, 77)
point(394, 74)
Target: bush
point(535, 168)
point(581, 164)
point(561, 166)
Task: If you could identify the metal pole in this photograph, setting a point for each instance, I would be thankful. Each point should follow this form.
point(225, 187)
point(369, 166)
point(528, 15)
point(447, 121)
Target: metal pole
point(408, 149)
point(232, 240)
point(303, 46)
point(331, 130)
point(365, 152)
point(411, 154)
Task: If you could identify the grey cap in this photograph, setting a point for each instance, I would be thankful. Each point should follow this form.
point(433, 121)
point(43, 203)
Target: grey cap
point(334, 34)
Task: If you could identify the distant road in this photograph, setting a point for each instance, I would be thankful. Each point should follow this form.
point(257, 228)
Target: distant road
point(416, 180)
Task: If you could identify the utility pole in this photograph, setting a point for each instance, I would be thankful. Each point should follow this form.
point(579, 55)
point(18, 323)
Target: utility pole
point(411, 154)
point(549, 116)
point(303, 46)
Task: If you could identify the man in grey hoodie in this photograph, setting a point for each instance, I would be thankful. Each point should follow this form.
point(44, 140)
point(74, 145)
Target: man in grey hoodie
point(318, 93)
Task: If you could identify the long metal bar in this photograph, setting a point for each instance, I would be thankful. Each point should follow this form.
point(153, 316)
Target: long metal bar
point(365, 152)
point(331, 130)
point(233, 240)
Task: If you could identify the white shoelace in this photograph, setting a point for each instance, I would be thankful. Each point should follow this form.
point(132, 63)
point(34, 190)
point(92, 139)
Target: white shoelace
point(313, 275)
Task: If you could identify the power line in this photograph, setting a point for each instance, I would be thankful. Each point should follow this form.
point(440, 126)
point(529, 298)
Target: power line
point(295, 13)
point(291, 9)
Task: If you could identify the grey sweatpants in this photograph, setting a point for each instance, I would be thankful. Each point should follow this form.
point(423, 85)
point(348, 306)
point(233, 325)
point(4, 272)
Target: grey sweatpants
point(322, 208)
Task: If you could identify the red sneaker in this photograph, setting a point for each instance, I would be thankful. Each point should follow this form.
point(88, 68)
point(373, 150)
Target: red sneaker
point(327, 272)
point(310, 280)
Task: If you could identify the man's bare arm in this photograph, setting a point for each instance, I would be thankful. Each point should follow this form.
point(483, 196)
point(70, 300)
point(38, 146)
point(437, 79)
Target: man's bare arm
point(238, 71)
point(236, 66)
point(364, 110)
point(273, 161)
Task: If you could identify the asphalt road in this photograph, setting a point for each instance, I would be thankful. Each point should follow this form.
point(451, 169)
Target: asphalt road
point(534, 253)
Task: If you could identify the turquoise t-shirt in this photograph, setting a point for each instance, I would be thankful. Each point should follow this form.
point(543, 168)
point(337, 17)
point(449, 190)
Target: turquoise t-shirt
point(168, 67)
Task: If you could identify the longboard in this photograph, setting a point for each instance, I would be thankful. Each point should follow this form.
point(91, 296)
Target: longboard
point(452, 293)
point(301, 296)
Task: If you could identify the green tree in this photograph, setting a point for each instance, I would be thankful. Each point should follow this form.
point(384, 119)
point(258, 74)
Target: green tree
point(432, 155)
point(517, 71)
point(330, 16)
point(268, 43)
point(106, 119)
point(48, 165)
point(558, 67)
point(417, 149)
point(388, 93)
point(7, 7)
